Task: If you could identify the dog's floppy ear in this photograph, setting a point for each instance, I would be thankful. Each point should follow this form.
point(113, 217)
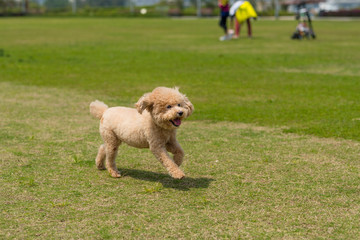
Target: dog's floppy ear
point(189, 106)
point(144, 103)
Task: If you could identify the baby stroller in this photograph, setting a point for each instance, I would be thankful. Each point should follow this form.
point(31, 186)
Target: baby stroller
point(304, 29)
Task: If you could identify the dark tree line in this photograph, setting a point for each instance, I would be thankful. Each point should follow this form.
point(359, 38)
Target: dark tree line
point(12, 6)
point(58, 4)
point(63, 4)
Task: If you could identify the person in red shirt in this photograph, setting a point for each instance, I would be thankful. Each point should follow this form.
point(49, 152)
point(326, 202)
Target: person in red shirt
point(224, 14)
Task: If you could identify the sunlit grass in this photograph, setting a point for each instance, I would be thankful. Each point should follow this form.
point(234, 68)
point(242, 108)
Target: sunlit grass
point(250, 175)
point(309, 86)
point(243, 181)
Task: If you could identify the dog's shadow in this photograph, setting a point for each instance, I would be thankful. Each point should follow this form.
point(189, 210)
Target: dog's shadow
point(168, 182)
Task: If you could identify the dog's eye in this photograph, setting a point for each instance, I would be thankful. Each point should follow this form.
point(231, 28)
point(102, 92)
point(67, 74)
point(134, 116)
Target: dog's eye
point(179, 104)
point(169, 106)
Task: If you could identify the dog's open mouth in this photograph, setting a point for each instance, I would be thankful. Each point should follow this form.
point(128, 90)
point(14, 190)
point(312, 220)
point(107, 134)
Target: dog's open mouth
point(176, 122)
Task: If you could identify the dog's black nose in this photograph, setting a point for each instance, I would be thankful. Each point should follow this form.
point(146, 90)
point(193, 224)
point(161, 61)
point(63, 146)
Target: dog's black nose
point(180, 113)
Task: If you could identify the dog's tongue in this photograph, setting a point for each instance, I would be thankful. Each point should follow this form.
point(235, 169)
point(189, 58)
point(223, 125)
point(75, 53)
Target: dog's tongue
point(177, 121)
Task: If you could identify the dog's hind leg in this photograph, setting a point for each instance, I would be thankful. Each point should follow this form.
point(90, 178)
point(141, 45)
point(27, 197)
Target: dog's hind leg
point(100, 158)
point(111, 148)
point(111, 152)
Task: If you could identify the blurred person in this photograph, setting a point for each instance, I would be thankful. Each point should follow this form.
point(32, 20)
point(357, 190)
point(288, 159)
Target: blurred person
point(302, 30)
point(224, 14)
point(242, 11)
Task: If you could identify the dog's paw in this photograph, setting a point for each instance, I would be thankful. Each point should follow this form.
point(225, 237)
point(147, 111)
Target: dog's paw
point(100, 166)
point(178, 175)
point(115, 174)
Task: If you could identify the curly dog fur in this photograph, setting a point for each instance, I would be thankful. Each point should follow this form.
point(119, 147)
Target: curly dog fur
point(152, 124)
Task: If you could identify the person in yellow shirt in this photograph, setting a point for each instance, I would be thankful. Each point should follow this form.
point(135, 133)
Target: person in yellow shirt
point(242, 11)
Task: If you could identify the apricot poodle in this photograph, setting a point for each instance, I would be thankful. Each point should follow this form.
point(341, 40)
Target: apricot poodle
point(152, 124)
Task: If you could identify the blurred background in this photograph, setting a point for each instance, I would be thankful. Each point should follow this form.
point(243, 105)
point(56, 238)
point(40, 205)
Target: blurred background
point(164, 8)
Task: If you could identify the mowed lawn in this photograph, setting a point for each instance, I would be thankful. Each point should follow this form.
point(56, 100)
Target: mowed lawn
point(310, 87)
point(272, 149)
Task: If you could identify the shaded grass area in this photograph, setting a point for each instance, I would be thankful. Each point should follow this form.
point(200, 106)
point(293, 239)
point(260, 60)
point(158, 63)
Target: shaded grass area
point(311, 87)
point(242, 181)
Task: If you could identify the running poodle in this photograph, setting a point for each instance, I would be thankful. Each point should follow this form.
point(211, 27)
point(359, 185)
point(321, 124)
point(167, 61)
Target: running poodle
point(152, 124)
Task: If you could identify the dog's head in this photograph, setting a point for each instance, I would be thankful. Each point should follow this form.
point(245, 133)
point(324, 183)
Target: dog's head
point(167, 106)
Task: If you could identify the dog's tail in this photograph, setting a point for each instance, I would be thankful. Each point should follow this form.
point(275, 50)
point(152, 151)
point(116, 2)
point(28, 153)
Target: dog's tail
point(98, 108)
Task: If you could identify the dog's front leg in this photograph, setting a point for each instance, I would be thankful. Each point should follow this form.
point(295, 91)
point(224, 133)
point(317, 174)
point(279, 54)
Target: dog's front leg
point(175, 148)
point(162, 155)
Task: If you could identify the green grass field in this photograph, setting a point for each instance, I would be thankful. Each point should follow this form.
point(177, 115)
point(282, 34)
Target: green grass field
point(310, 87)
point(272, 149)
